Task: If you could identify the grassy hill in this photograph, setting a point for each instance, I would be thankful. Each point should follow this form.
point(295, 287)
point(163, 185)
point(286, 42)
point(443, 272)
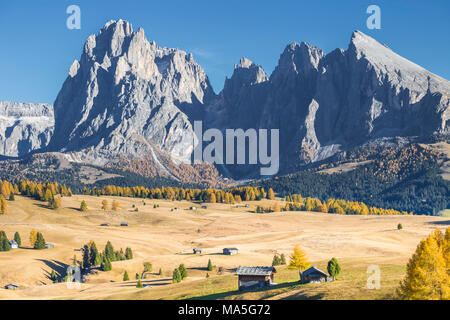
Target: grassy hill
point(165, 237)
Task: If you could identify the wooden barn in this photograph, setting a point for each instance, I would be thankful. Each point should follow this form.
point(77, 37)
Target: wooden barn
point(255, 277)
point(230, 251)
point(314, 275)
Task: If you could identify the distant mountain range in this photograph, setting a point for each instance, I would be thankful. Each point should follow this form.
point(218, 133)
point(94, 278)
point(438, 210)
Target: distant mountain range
point(128, 102)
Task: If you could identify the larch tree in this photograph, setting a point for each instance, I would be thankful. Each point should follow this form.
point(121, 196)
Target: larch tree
point(427, 275)
point(270, 194)
point(115, 205)
point(299, 260)
point(105, 205)
point(276, 207)
point(33, 237)
point(3, 205)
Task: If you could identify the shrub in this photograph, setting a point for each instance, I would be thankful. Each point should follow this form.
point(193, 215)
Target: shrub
point(176, 276)
point(210, 265)
point(83, 206)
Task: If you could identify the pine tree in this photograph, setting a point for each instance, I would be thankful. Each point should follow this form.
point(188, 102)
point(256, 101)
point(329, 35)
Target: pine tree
point(17, 238)
point(40, 242)
point(86, 257)
point(276, 261)
point(11, 197)
point(139, 284)
point(299, 260)
point(128, 254)
point(4, 244)
point(160, 272)
point(399, 226)
point(93, 253)
point(109, 251)
point(176, 277)
point(125, 276)
point(83, 206)
point(148, 267)
point(183, 271)
point(334, 268)
point(427, 276)
point(106, 264)
point(282, 259)
point(210, 265)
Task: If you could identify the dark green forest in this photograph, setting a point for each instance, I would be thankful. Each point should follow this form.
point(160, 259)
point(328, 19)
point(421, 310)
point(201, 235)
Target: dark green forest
point(417, 187)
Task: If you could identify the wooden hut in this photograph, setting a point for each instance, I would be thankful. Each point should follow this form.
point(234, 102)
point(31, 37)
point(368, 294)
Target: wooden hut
point(230, 251)
point(314, 275)
point(12, 286)
point(254, 277)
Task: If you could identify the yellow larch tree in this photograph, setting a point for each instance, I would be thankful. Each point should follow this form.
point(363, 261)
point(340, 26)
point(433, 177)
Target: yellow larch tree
point(299, 260)
point(427, 273)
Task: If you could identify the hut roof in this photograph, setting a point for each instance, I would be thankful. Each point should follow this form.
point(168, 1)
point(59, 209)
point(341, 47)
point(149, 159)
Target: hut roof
point(255, 271)
point(314, 269)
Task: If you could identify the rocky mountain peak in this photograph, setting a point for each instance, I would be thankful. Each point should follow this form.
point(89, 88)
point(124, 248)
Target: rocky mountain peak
point(247, 73)
point(24, 127)
point(127, 95)
point(300, 58)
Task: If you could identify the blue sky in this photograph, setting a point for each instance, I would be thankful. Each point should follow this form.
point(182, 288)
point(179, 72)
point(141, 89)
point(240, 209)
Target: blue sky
point(37, 49)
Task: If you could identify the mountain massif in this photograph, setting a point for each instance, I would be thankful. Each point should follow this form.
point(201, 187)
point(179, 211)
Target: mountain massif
point(127, 99)
point(24, 127)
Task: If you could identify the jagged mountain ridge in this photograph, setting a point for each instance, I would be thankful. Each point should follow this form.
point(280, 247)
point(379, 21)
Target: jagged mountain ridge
point(128, 98)
point(327, 103)
point(24, 127)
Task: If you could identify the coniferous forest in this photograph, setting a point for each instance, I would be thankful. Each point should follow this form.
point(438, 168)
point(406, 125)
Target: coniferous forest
point(405, 180)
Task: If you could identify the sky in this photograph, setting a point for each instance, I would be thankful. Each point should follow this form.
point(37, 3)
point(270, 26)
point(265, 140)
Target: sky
point(37, 48)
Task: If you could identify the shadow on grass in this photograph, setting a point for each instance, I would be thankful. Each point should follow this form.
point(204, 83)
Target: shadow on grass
point(223, 295)
point(302, 296)
point(441, 223)
point(44, 206)
point(151, 283)
point(59, 267)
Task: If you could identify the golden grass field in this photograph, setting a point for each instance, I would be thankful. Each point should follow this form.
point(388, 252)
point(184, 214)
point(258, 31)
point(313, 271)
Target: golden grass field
point(166, 238)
